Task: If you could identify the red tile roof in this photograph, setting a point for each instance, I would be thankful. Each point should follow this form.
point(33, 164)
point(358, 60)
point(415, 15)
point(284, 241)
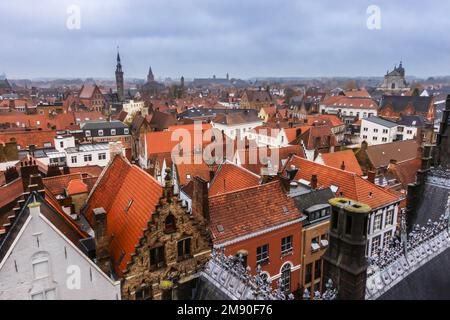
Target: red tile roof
point(58, 184)
point(348, 102)
point(76, 186)
point(26, 138)
point(340, 158)
point(230, 177)
point(250, 210)
point(192, 169)
point(123, 186)
point(11, 192)
point(323, 134)
point(348, 184)
point(255, 165)
point(406, 171)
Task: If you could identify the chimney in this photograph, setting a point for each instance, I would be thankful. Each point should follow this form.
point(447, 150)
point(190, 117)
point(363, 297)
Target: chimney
point(101, 240)
point(27, 168)
point(371, 176)
point(291, 172)
point(200, 202)
point(11, 174)
point(314, 182)
point(393, 161)
point(343, 166)
point(66, 170)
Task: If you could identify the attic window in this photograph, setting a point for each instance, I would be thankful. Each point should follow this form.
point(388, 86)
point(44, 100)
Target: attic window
point(285, 210)
point(128, 205)
point(220, 228)
point(334, 188)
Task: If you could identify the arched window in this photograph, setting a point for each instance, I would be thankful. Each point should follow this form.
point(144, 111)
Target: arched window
point(393, 86)
point(286, 278)
point(170, 224)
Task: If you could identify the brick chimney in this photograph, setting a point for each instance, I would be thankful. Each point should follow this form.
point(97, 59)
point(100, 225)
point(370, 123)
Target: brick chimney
point(200, 203)
point(101, 240)
point(314, 182)
point(27, 168)
point(343, 166)
point(11, 174)
point(371, 176)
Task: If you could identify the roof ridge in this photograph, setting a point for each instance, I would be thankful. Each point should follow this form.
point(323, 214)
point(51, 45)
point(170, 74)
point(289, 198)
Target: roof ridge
point(277, 182)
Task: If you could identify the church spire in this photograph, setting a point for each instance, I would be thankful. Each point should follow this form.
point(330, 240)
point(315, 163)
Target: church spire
point(150, 76)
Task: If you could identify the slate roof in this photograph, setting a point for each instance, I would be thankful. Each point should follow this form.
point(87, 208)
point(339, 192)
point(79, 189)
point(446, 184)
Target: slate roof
point(430, 282)
point(412, 121)
point(399, 103)
point(315, 197)
point(381, 122)
point(93, 125)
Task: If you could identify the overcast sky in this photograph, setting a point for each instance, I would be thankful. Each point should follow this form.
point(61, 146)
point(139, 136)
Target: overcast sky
point(246, 38)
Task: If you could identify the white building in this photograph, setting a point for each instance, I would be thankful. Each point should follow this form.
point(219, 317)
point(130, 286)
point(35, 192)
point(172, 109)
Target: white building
point(377, 130)
point(41, 258)
point(132, 107)
point(349, 106)
point(234, 125)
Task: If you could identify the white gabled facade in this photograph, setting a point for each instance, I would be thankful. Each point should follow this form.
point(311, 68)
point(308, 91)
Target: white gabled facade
point(234, 130)
point(42, 263)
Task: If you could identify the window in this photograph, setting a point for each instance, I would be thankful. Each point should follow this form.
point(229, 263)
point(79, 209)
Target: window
point(315, 244)
point(286, 278)
point(390, 217)
point(126, 131)
point(262, 254)
point(286, 245)
point(377, 222)
point(348, 224)
point(376, 243)
point(113, 132)
point(184, 249)
point(366, 129)
point(45, 295)
point(334, 220)
point(170, 225)
point(385, 130)
point(375, 138)
point(144, 293)
point(87, 157)
point(364, 137)
point(101, 156)
point(318, 269)
point(74, 159)
point(384, 139)
point(40, 269)
point(387, 239)
point(61, 144)
point(375, 130)
point(408, 131)
point(308, 273)
point(157, 259)
point(100, 133)
point(88, 133)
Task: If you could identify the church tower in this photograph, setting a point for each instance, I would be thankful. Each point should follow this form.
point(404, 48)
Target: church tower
point(182, 82)
point(150, 76)
point(119, 78)
point(443, 139)
point(345, 260)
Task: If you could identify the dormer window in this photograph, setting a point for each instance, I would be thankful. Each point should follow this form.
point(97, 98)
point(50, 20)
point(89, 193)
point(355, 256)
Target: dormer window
point(88, 133)
point(100, 133)
point(113, 132)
